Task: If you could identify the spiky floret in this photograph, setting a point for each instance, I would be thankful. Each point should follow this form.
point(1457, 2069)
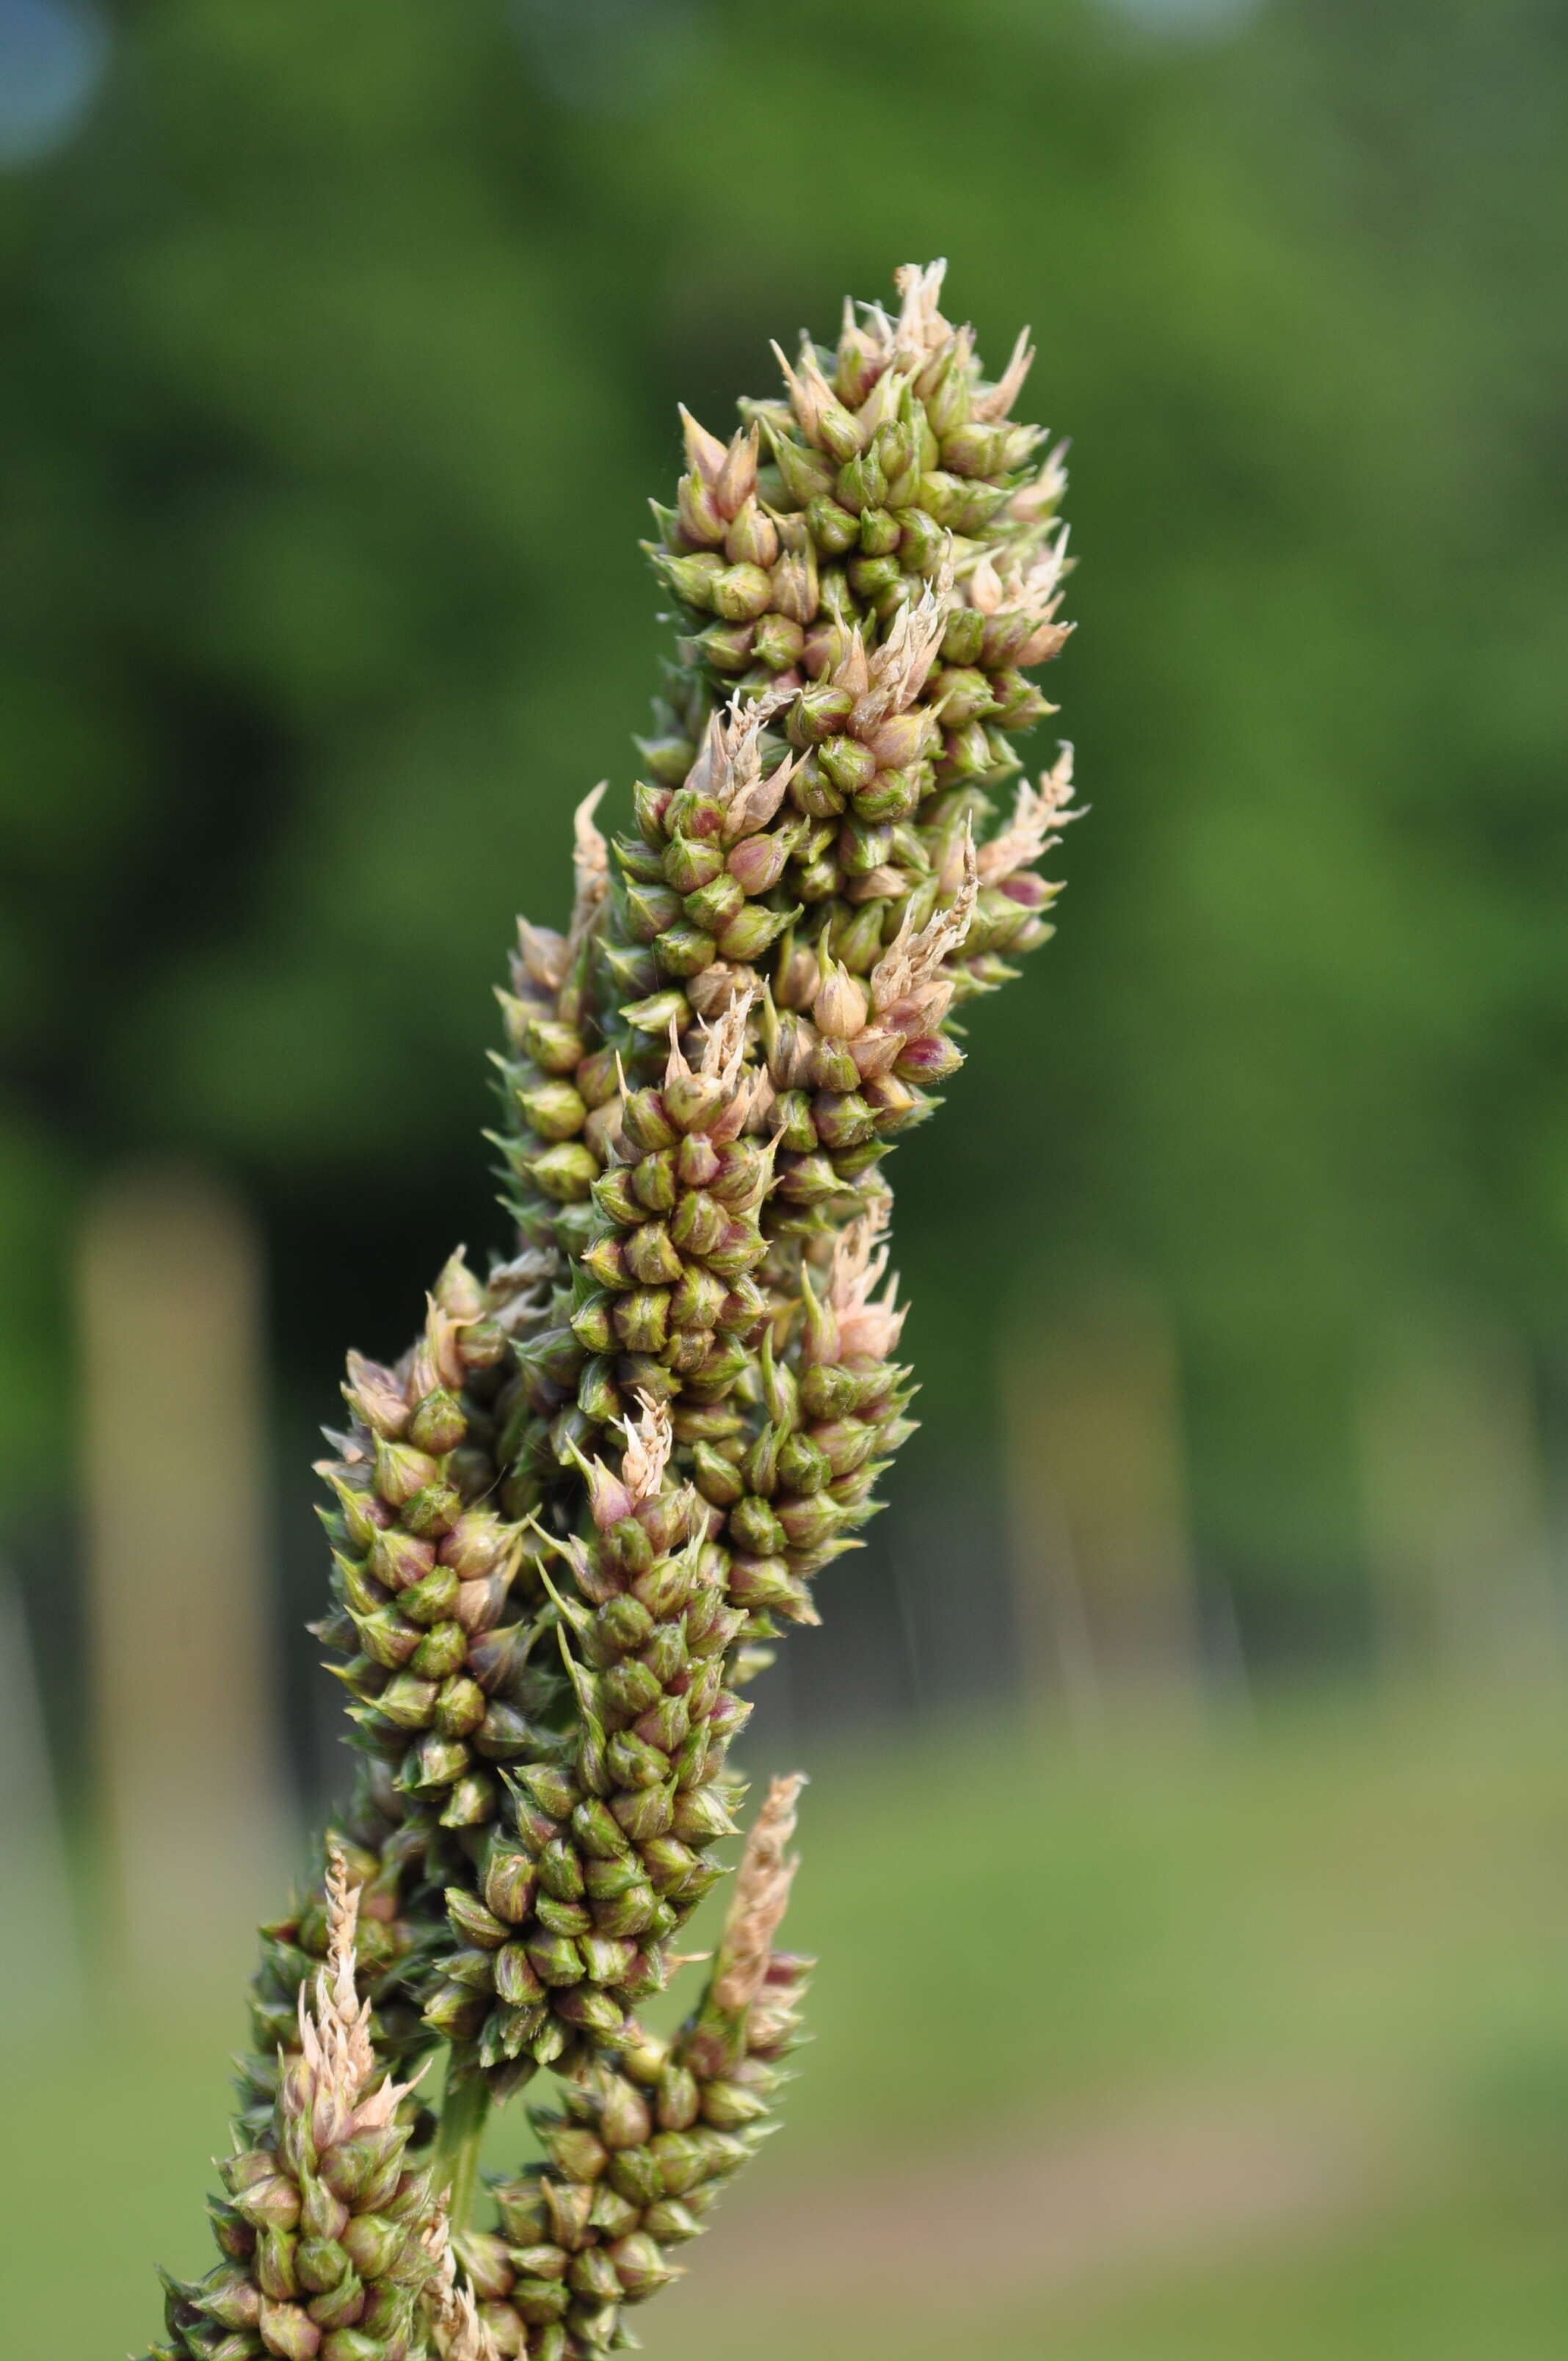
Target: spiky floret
point(324, 2226)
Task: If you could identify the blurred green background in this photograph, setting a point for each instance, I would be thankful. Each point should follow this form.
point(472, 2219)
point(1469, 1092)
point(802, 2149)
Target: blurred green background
point(1189, 1854)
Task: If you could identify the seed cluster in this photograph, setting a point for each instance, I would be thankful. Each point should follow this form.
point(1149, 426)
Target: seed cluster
point(639, 2153)
point(569, 1524)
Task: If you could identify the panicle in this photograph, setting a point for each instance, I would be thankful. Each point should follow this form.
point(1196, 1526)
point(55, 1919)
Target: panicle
point(570, 1521)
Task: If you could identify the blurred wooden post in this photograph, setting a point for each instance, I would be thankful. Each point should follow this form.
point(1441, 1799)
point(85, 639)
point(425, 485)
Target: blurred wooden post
point(188, 1785)
point(1097, 1490)
point(39, 1959)
point(1454, 1489)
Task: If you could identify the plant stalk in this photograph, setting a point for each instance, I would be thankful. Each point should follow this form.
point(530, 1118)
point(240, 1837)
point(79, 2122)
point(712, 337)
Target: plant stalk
point(457, 2139)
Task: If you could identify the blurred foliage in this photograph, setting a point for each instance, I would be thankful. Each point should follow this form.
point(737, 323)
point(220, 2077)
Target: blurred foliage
point(348, 339)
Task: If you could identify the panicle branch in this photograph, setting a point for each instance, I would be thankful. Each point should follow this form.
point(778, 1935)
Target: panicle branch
point(762, 1896)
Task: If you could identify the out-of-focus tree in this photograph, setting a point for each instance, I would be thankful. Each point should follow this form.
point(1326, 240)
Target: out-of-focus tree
point(350, 338)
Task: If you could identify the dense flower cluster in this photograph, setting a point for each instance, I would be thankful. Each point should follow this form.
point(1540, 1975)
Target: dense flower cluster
point(569, 1524)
